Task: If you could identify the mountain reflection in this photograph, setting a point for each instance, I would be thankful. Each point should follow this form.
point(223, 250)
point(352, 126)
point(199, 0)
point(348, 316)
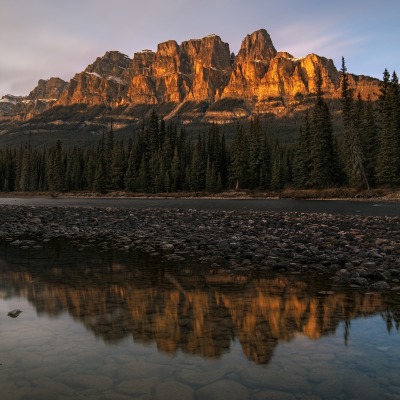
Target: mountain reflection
point(196, 313)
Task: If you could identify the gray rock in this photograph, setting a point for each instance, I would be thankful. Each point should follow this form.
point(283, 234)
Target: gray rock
point(173, 390)
point(225, 388)
point(381, 285)
point(14, 313)
point(359, 281)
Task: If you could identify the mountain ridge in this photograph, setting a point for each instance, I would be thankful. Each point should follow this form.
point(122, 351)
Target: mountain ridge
point(197, 81)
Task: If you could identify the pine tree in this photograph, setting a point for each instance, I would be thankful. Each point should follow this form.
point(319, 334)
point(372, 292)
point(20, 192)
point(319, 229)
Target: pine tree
point(211, 179)
point(277, 173)
point(99, 184)
point(302, 161)
point(118, 167)
point(25, 174)
point(143, 176)
point(100, 177)
point(130, 178)
point(388, 160)
point(355, 157)
point(324, 168)
point(197, 169)
point(370, 141)
point(153, 132)
point(176, 171)
point(240, 158)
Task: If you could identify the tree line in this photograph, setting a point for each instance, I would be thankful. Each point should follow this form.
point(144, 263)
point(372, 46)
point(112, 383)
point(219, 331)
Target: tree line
point(365, 155)
point(161, 158)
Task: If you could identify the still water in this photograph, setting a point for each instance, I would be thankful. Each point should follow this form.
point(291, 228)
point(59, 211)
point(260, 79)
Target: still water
point(98, 325)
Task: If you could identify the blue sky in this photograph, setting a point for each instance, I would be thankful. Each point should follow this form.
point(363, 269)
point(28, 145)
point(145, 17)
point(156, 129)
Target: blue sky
point(45, 38)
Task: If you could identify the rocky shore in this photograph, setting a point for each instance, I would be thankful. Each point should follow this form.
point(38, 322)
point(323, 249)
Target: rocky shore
point(360, 252)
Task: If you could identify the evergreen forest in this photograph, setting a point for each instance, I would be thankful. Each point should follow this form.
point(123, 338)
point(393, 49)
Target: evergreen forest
point(161, 158)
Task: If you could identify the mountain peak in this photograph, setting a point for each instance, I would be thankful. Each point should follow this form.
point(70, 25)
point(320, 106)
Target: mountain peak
point(257, 46)
point(49, 89)
point(198, 70)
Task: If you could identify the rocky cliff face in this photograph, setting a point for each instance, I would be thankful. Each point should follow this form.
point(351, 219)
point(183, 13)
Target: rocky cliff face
point(50, 89)
point(41, 98)
point(198, 71)
point(100, 83)
point(250, 66)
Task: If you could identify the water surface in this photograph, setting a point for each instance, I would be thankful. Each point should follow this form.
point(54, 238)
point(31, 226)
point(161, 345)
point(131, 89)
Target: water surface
point(342, 207)
point(101, 325)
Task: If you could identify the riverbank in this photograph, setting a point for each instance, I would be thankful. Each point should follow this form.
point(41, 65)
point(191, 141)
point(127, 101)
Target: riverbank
point(360, 252)
point(349, 194)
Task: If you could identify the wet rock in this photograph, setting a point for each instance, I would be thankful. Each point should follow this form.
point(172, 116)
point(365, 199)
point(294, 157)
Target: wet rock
point(167, 246)
point(200, 377)
point(223, 389)
point(173, 390)
point(333, 387)
point(273, 395)
point(359, 281)
point(381, 285)
point(343, 275)
point(138, 386)
point(14, 313)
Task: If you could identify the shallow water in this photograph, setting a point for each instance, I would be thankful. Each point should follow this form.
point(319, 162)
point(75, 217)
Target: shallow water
point(100, 325)
point(342, 207)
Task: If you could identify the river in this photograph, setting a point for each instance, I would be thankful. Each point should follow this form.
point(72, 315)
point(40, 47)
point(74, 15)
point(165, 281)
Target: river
point(99, 324)
point(363, 208)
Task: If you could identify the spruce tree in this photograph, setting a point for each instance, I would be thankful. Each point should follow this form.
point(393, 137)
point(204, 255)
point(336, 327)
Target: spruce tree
point(100, 177)
point(239, 159)
point(302, 161)
point(388, 160)
point(176, 171)
point(355, 158)
point(370, 141)
point(324, 165)
point(117, 167)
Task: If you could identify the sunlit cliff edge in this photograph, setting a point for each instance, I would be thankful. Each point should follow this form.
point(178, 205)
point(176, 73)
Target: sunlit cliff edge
point(199, 80)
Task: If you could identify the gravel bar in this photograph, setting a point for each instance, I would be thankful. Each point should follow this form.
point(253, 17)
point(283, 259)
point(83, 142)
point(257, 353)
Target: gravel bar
point(356, 251)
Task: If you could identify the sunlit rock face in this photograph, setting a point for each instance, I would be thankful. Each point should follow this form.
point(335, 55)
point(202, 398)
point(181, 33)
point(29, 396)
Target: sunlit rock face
point(205, 70)
point(250, 66)
point(101, 83)
point(41, 98)
point(197, 70)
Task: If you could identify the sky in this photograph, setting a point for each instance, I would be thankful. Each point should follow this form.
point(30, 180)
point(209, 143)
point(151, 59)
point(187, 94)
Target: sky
point(45, 38)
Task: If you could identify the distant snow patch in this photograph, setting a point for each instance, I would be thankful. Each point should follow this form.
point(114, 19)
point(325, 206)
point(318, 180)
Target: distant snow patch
point(218, 70)
point(47, 100)
point(94, 74)
point(5, 100)
point(11, 99)
point(115, 79)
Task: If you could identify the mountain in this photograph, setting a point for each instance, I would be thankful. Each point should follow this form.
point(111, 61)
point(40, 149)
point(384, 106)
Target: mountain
point(198, 81)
